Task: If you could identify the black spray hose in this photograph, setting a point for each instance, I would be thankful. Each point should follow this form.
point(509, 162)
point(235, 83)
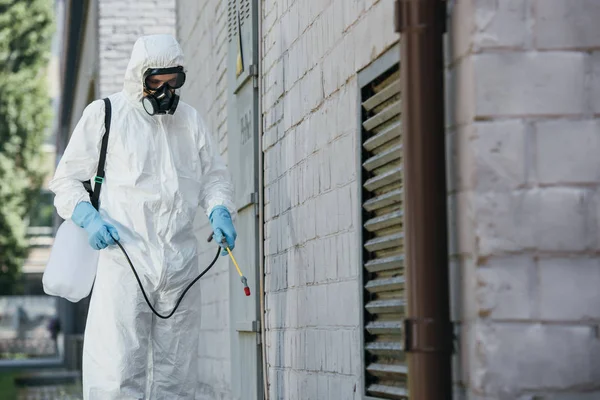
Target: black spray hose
point(182, 294)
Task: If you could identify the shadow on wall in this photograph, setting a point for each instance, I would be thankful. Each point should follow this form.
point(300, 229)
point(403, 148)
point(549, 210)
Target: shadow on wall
point(457, 202)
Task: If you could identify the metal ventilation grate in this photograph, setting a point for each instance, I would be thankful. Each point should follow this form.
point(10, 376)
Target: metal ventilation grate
point(246, 8)
point(231, 19)
point(233, 6)
point(383, 237)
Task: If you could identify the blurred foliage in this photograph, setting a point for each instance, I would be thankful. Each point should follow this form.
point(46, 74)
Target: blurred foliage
point(8, 389)
point(26, 28)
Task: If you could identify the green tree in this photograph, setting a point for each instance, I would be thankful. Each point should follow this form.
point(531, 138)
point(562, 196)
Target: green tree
point(26, 28)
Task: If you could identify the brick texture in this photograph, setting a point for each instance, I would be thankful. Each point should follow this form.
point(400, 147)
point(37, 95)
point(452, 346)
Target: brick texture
point(562, 24)
point(312, 52)
point(523, 83)
point(120, 24)
point(522, 103)
point(507, 373)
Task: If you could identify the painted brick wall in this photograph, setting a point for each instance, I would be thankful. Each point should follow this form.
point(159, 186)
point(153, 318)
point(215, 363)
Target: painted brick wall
point(524, 134)
point(312, 51)
point(120, 24)
point(202, 33)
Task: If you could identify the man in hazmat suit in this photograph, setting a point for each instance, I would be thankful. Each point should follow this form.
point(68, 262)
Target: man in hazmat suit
point(161, 166)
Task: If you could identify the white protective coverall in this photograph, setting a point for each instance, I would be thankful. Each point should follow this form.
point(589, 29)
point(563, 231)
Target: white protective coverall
point(159, 171)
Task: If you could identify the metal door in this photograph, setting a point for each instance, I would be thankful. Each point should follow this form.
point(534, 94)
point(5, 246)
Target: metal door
point(242, 133)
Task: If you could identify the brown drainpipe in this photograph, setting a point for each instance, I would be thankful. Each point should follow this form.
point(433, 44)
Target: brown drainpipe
point(428, 331)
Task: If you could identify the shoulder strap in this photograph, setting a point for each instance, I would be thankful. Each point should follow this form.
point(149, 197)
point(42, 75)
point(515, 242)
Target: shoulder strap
point(99, 179)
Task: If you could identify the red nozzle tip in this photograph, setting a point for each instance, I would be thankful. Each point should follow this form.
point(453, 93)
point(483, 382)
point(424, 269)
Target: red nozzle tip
point(247, 291)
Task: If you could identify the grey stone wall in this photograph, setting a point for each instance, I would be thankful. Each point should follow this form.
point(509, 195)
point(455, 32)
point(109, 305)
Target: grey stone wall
point(523, 137)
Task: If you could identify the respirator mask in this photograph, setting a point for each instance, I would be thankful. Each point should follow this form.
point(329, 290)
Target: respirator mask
point(160, 85)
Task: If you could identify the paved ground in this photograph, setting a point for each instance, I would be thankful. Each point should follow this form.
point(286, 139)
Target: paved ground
point(71, 392)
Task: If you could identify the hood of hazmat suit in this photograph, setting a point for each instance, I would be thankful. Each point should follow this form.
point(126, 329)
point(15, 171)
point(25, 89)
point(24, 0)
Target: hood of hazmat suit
point(159, 171)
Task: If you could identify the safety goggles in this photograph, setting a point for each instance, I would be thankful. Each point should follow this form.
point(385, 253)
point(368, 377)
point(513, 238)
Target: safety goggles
point(155, 78)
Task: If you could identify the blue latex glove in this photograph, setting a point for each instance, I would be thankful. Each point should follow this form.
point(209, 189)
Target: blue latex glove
point(222, 226)
point(101, 234)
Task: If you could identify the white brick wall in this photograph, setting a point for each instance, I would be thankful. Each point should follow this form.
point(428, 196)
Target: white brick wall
point(120, 24)
point(523, 95)
point(312, 52)
point(202, 33)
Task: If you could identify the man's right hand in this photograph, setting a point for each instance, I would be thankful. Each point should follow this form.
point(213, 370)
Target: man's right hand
point(224, 231)
point(100, 233)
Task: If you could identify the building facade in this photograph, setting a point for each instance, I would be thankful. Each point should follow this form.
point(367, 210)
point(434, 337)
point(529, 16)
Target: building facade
point(304, 99)
point(522, 127)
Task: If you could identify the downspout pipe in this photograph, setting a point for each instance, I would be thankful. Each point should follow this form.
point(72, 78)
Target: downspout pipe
point(261, 210)
point(427, 328)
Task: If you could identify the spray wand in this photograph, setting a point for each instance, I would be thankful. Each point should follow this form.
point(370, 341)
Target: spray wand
point(237, 267)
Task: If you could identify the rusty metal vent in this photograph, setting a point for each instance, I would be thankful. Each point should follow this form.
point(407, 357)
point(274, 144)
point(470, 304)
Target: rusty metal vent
point(383, 237)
